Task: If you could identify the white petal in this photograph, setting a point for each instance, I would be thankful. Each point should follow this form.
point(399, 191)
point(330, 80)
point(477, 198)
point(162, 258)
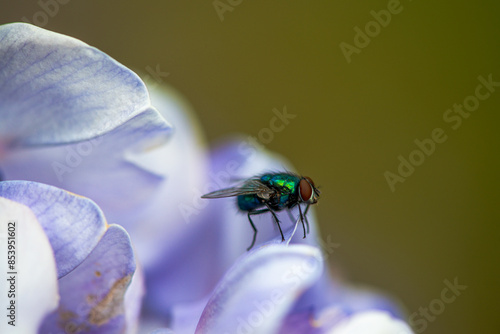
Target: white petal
point(373, 322)
point(35, 267)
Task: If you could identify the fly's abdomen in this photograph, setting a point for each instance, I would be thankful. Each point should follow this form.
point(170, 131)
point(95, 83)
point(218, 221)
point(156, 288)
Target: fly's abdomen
point(249, 202)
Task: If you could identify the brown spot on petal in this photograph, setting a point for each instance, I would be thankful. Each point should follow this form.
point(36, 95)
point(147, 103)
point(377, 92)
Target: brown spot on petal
point(98, 273)
point(91, 299)
point(66, 315)
point(74, 328)
point(112, 304)
point(68, 321)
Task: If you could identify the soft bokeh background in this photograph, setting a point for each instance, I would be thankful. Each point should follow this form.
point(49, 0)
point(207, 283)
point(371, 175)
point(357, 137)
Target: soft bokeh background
point(352, 121)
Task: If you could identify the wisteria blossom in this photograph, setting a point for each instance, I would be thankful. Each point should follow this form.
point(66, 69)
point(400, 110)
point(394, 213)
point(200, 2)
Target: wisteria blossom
point(75, 270)
point(105, 181)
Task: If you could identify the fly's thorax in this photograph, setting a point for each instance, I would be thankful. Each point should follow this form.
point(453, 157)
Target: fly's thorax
point(283, 183)
point(285, 188)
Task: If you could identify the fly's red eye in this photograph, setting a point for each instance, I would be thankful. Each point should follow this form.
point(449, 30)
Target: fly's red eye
point(310, 180)
point(305, 190)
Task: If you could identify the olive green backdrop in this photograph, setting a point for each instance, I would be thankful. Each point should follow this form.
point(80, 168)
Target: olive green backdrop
point(354, 116)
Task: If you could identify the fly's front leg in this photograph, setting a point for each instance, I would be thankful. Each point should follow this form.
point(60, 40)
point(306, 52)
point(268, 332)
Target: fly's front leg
point(305, 216)
point(302, 220)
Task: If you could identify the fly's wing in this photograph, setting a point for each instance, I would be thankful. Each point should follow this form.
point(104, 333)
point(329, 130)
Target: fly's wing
point(250, 187)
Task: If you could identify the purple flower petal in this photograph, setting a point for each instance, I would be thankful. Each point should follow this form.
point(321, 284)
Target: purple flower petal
point(71, 115)
point(93, 295)
point(162, 331)
point(149, 324)
point(334, 321)
point(175, 218)
point(185, 316)
point(257, 292)
point(55, 89)
point(133, 301)
point(180, 279)
point(96, 168)
point(35, 281)
point(182, 163)
point(74, 225)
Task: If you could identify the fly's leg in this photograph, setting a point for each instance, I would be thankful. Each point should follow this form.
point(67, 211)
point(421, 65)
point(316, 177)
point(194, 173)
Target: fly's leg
point(302, 220)
point(305, 216)
point(250, 213)
point(292, 218)
point(276, 220)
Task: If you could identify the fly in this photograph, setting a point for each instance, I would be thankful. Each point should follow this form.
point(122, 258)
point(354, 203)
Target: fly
point(270, 193)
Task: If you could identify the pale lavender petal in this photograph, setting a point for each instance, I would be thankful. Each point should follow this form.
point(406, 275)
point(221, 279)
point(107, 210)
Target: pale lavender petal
point(149, 324)
point(93, 295)
point(133, 301)
point(73, 224)
point(315, 320)
point(334, 321)
point(301, 323)
point(162, 331)
point(71, 115)
point(255, 295)
point(330, 300)
point(186, 274)
point(35, 278)
point(98, 168)
point(185, 316)
point(55, 89)
point(175, 220)
point(182, 164)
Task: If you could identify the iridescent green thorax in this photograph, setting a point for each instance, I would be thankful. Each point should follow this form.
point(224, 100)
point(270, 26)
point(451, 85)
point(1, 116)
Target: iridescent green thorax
point(284, 183)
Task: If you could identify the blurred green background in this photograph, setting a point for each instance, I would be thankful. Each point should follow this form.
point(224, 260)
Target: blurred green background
point(353, 120)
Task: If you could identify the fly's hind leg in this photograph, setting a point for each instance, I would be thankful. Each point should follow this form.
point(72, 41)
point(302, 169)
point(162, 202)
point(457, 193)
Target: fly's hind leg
point(250, 213)
point(258, 212)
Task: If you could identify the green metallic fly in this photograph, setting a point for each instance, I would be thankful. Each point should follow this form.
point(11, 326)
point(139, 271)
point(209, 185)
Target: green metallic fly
point(271, 193)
